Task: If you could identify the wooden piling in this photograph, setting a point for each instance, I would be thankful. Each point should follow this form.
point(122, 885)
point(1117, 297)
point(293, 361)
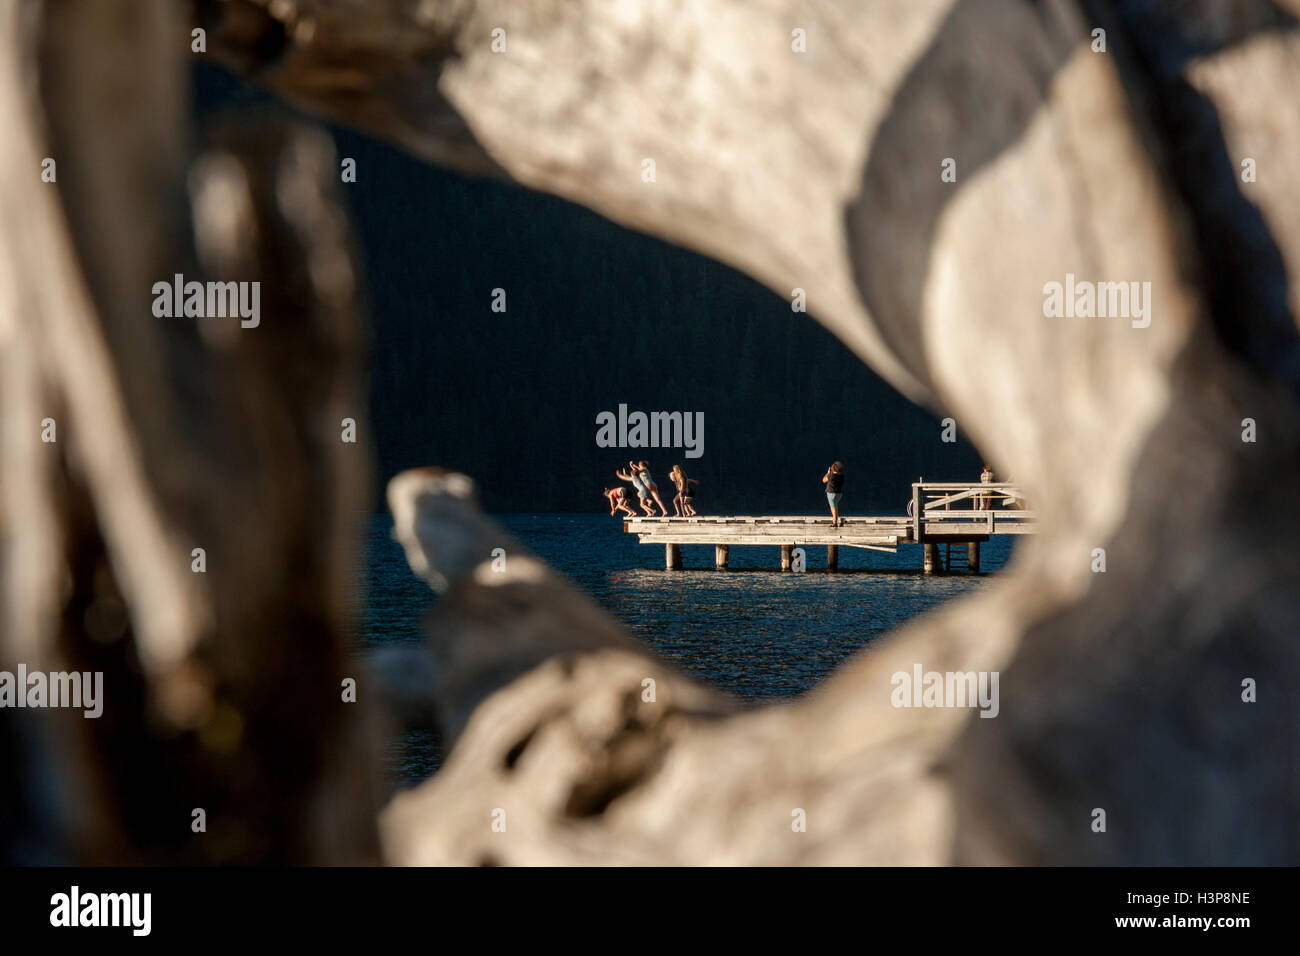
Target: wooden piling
point(673, 557)
point(933, 562)
point(786, 556)
point(974, 556)
point(832, 557)
point(721, 554)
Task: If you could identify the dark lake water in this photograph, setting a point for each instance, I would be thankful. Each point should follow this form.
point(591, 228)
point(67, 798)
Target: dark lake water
point(754, 632)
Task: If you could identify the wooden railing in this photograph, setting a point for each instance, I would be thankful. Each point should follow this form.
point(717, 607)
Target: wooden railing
point(948, 508)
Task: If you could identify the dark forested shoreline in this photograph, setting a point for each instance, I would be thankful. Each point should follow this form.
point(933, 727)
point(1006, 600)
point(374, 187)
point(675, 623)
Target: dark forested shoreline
point(596, 316)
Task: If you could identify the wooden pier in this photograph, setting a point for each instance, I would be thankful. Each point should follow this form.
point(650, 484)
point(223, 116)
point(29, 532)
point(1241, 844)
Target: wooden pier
point(948, 520)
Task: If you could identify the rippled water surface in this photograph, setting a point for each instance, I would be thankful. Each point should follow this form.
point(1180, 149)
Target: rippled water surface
point(753, 631)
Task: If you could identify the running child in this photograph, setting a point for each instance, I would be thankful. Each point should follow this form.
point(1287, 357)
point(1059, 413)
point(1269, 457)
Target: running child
point(685, 491)
point(650, 486)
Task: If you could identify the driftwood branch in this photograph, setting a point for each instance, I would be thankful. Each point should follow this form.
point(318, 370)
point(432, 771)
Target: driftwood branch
point(822, 171)
point(817, 170)
point(222, 684)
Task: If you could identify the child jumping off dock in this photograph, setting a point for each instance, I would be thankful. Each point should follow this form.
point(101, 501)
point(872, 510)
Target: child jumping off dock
point(643, 469)
point(618, 501)
point(633, 475)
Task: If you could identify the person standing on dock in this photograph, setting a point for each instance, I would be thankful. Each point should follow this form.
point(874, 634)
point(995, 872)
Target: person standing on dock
point(834, 482)
point(984, 502)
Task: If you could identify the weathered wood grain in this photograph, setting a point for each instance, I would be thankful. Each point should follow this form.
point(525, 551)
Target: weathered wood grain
point(820, 171)
point(222, 688)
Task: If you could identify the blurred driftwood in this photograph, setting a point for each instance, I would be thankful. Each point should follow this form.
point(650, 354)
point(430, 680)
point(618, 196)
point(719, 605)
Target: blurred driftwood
point(821, 170)
point(222, 688)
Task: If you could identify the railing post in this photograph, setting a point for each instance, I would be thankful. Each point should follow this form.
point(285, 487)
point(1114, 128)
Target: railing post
point(916, 511)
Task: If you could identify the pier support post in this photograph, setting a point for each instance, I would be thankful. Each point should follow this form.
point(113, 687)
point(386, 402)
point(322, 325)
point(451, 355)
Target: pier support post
point(721, 553)
point(832, 557)
point(973, 550)
point(673, 557)
point(786, 559)
point(933, 561)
